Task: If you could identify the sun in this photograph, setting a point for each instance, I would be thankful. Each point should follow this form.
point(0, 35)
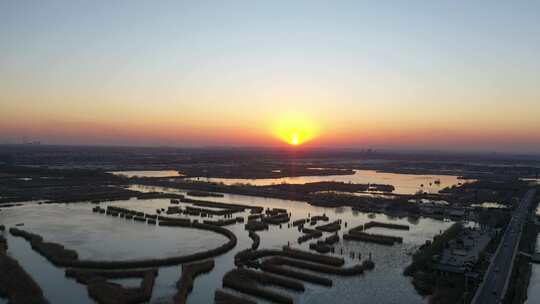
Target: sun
point(295, 141)
point(295, 130)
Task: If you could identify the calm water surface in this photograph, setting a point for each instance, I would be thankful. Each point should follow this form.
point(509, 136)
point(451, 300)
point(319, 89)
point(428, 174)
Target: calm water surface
point(104, 237)
point(533, 181)
point(403, 183)
point(107, 238)
point(533, 292)
point(148, 173)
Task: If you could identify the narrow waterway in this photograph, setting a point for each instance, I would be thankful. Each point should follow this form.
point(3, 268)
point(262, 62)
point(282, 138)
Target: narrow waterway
point(533, 292)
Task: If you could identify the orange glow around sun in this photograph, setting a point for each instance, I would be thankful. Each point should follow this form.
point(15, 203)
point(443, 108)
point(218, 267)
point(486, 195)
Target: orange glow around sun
point(295, 130)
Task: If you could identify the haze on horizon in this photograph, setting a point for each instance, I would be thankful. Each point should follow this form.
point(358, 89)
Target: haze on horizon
point(406, 74)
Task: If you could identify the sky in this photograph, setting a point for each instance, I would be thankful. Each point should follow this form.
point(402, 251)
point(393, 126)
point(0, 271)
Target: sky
point(448, 75)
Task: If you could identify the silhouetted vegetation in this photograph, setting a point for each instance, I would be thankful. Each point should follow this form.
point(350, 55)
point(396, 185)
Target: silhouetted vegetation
point(222, 297)
point(60, 256)
point(15, 284)
point(256, 240)
point(256, 226)
point(241, 282)
point(342, 271)
point(204, 194)
point(423, 258)
point(330, 227)
point(55, 253)
point(105, 292)
point(291, 273)
point(249, 255)
point(422, 272)
point(372, 238)
point(189, 273)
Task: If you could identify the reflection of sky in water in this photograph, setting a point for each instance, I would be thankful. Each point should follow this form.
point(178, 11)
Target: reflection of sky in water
point(148, 173)
point(128, 282)
point(533, 292)
point(85, 231)
point(403, 183)
point(534, 181)
point(100, 237)
point(490, 205)
point(56, 287)
point(386, 282)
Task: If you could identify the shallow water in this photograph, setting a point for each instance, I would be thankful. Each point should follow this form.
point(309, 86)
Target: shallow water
point(490, 205)
point(107, 238)
point(533, 181)
point(148, 173)
point(386, 282)
point(56, 287)
point(403, 183)
point(98, 236)
point(533, 292)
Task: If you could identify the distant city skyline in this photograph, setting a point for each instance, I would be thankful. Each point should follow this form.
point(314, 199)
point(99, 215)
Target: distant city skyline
point(426, 75)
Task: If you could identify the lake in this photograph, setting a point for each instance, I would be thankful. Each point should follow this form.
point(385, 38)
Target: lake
point(98, 237)
point(403, 183)
point(148, 173)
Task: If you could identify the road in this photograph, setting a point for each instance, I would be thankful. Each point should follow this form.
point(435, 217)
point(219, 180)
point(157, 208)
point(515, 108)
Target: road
point(494, 285)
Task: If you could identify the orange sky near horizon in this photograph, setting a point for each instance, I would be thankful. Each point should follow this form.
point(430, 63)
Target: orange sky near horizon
point(270, 119)
point(325, 132)
point(420, 75)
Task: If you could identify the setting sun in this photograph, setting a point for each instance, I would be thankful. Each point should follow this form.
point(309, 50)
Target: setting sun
point(295, 130)
point(295, 140)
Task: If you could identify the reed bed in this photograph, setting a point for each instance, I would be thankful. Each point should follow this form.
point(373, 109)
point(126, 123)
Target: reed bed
point(248, 255)
point(16, 284)
point(374, 224)
point(276, 211)
point(255, 226)
point(332, 239)
point(342, 271)
point(60, 256)
point(84, 276)
point(257, 216)
point(256, 240)
point(264, 278)
point(222, 297)
point(330, 227)
point(232, 207)
point(323, 218)
point(291, 273)
point(308, 235)
point(385, 225)
point(320, 247)
point(221, 222)
point(372, 238)
point(242, 283)
point(199, 193)
point(3, 244)
point(105, 292)
point(189, 273)
point(55, 253)
point(276, 219)
point(299, 222)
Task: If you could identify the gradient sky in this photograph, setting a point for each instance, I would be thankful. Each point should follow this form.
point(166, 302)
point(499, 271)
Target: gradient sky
point(385, 74)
